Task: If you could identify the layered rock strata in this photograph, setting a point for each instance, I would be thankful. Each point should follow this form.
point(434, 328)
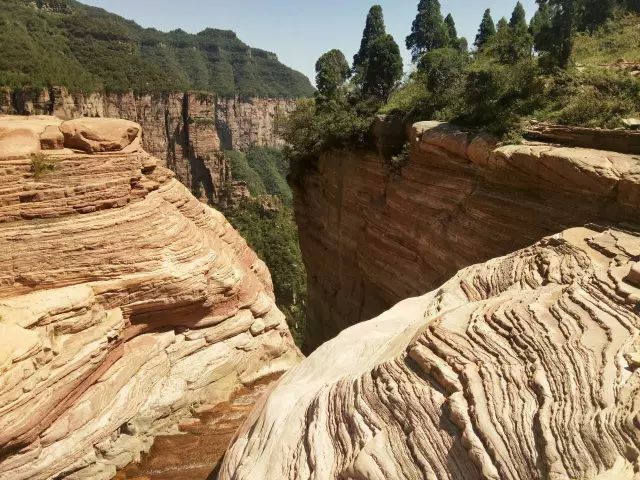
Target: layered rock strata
point(524, 367)
point(184, 130)
point(125, 303)
point(398, 231)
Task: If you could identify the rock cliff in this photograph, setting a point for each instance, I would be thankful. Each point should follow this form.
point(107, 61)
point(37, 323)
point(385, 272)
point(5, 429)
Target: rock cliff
point(125, 303)
point(185, 130)
point(524, 367)
point(397, 232)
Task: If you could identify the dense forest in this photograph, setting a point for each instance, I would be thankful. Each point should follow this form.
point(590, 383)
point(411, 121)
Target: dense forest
point(65, 43)
point(567, 66)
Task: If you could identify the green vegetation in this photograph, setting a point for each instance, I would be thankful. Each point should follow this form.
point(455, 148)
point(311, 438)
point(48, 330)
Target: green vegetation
point(563, 67)
point(273, 235)
point(264, 170)
point(272, 232)
point(66, 43)
point(341, 113)
point(41, 165)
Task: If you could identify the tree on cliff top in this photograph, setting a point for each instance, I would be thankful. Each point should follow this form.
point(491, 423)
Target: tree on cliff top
point(518, 18)
point(384, 68)
point(373, 29)
point(332, 70)
point(486, 31)
point(428, 31)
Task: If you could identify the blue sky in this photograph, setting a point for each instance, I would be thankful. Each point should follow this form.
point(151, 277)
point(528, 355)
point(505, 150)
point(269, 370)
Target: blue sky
point(299, 31)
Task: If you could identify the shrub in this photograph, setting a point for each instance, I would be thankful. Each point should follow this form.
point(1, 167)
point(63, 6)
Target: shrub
point(41, 165)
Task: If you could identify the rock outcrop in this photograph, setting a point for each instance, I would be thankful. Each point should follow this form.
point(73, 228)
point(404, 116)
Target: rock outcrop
point(521, 368)
point(184, 130)
point(125, 303)
point(397, 232)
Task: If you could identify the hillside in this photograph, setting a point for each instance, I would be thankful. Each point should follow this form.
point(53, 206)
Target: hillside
point(66, 43)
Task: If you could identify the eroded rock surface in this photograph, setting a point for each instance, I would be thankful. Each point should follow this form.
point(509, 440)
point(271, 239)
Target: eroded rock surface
point(125, 303)
point(185, 131)
point(459, 200)
point(524, 367)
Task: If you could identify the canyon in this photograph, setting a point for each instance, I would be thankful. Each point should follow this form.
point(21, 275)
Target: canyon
point(127, 305)
point(398, 231)
point(187, 131)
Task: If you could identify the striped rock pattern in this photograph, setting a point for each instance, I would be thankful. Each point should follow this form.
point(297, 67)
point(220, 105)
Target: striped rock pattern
point(524, 367)
point(124, 303)
point(459, 200)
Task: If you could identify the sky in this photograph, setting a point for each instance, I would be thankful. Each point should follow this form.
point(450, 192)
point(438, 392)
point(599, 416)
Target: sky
point(299, 31)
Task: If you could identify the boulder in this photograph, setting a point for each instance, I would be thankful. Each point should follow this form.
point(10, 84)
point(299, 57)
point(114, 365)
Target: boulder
point(95, 135)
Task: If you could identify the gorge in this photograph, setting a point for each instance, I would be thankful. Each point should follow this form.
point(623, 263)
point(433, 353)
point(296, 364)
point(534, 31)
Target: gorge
point(212, 270)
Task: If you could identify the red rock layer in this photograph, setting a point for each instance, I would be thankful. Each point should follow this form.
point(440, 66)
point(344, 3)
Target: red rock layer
point(124, 303)
point(460, 200)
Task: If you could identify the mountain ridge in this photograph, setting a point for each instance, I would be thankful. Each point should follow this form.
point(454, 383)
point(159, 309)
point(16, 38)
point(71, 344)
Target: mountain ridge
point(83, 48)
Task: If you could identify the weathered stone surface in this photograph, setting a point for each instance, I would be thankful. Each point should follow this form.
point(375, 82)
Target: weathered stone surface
point(460, 200)
point(95, 135)
point(124, 302)
point(524, 367)
point(183, 130)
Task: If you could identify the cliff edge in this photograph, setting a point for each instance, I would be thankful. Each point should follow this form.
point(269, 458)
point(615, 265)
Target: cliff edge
point(397, 231)
point(125, 303)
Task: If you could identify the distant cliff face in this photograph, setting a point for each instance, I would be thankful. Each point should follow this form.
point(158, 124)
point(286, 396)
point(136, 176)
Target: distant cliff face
point(125, 303)
point(185, 130)
point(393, 234)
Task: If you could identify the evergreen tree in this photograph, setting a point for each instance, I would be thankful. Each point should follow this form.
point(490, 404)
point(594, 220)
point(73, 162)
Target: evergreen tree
point(373, 29)
point(384, 67)
point(518, 18)
point(463, 45)
point(451, 29)
point(332, 71)
point(428, 31)
point(595, 13)
point(486, 31)
point(502, 26)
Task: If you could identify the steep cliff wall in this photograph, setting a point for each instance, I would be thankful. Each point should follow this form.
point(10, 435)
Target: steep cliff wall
point(396, 233)
point(522, 368)
point(125, 303)
point(184, 130)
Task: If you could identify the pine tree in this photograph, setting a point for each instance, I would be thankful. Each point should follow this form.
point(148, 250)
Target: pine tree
point(486, 31)
point(553, 28)
point(451, 29)
point(373, 29)
point(332, 71)
point(595, 13)
point(502, 26)
point(518, 18)
point(428, 31)
point(384, 67)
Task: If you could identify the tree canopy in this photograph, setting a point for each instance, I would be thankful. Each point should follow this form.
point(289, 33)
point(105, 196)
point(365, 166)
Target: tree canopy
point(486, 31)
point(384, 68)
point(332, 70)
point(428, 31)
point(373, 29)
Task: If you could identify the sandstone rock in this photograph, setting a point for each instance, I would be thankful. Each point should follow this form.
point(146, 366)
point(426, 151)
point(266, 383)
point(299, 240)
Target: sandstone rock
point(460, 200)
point(519, 368)
point(52, 138)
point(94, 135)
point(23, 136)
point(123, 302)
point(184, 130)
